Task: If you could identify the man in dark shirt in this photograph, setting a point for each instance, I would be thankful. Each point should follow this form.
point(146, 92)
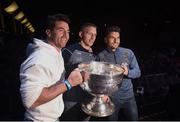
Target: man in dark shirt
point(73, 55)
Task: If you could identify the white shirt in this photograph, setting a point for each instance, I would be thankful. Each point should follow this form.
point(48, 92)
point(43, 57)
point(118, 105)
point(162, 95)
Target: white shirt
point(42, 68)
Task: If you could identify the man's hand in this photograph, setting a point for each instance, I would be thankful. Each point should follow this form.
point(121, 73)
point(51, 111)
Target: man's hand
point(85, 76)
point(75, 78)
point(126, 70)
point(106, 98)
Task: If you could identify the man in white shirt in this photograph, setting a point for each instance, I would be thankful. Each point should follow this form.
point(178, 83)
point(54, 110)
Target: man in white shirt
point(41, 74)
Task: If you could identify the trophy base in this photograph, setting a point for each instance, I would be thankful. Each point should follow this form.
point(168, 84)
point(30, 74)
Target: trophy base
point(97, 107)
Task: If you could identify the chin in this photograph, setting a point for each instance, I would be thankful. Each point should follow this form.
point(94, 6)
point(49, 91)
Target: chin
point(63, 46)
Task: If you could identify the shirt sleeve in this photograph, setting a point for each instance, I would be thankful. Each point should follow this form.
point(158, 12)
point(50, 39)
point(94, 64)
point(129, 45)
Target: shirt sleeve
point(134, 70)
point(33, 80)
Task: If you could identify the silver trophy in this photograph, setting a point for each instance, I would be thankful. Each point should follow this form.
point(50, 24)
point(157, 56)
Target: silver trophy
point(102, 79)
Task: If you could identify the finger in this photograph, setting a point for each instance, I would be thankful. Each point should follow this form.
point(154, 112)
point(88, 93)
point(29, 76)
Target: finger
point(77, 69)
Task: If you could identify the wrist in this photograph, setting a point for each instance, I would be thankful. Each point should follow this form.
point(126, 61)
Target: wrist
point(68, 85)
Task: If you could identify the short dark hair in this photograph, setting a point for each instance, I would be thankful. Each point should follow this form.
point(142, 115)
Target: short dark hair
point(50, 22)
point(112, 29)
point(87, 24)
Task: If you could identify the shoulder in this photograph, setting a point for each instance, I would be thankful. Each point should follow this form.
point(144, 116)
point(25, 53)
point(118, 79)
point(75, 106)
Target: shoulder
point(73, 47)
point(125, 50)
point(102, 52)
point(39, 57)
point(68, 51)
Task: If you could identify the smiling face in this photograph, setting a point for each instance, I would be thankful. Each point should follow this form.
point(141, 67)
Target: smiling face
point(88, 35)
point(59, 35)
point(113, 40)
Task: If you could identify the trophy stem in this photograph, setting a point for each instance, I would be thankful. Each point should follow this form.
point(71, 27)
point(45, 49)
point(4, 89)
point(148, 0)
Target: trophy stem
point(97, 107)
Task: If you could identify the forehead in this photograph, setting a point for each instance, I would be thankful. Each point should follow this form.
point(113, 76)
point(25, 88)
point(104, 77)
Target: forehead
point(114, 34)
point(89, 28)
point(61, 24)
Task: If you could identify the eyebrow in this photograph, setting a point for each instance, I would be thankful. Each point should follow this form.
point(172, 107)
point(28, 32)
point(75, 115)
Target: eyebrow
point(63, 29)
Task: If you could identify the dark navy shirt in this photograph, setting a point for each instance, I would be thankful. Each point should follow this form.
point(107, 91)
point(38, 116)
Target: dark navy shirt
point(127, 57)
point(73, 55)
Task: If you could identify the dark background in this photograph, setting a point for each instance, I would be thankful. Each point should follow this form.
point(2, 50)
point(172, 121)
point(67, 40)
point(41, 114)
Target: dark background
point(143, 23)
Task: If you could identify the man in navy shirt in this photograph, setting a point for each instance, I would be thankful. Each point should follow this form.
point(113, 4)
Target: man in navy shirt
point(73, 55)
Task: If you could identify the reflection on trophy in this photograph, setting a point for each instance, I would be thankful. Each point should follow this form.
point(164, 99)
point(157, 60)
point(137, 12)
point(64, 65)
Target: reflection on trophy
point(103, 79)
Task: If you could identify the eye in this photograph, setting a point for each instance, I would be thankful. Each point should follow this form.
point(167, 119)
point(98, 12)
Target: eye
point(88, 33)
point(111, 37)
point(68, 32)
point(60, 30)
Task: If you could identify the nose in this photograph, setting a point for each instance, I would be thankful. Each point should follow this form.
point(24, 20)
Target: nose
point(93, 36)
point(116, 40)
point(66, 34)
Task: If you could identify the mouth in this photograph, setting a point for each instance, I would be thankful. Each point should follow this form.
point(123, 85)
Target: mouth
point(64, 40)
point(114, 44)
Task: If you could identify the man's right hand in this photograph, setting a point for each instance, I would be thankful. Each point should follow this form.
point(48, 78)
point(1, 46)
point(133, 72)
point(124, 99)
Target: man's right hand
point(75, 77)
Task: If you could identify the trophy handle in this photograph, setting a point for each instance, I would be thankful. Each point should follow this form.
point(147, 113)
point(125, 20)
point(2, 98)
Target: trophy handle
point(85, 86)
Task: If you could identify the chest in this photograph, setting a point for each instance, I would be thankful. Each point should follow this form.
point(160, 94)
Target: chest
point(56, 67)
point(116, 58)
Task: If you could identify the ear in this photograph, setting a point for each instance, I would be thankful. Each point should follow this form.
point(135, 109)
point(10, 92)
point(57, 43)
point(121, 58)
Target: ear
point(80, 34)
point(48, 32)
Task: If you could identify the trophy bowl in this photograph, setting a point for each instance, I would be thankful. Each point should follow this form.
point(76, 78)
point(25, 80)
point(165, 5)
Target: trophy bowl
point(102, 79)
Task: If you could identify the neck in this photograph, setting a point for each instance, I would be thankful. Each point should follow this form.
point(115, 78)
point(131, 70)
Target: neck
point(85, 46)
point(113, 50)
point(52, 44)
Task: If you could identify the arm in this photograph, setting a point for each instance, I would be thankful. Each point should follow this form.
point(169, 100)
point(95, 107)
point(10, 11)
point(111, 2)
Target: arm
point(134, 70)
point(49, 93)
point(58, 88)
point(35, 90)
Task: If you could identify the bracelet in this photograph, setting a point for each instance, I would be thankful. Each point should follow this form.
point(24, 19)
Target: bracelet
point(68, 85)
